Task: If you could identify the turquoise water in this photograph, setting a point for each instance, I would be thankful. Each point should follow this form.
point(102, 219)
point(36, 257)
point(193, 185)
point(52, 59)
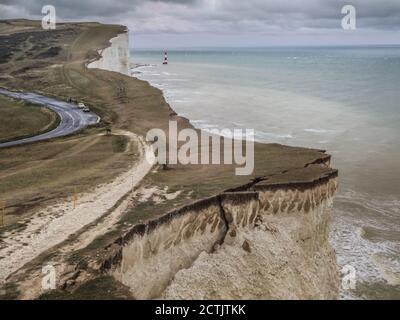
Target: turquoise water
point(344, 99)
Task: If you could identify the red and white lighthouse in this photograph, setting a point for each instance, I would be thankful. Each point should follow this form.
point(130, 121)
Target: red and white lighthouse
point(165, 58)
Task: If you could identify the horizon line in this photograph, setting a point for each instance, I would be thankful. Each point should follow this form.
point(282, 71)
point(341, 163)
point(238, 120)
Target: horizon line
point(271, 46)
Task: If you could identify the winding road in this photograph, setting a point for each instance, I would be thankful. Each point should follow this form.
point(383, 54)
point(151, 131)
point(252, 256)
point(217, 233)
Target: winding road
point(72, 119)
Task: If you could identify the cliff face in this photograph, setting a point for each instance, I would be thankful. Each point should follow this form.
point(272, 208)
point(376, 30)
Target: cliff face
point(281, 252)
point(115, 57)
point(150, 260)
point(269, 241)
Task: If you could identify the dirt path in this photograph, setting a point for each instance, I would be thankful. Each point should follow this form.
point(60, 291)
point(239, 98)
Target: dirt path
point(53, 225)
point(30, 286)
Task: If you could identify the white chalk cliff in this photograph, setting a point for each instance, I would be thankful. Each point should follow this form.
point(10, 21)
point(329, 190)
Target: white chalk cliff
point(115, 57)
point(265, 242)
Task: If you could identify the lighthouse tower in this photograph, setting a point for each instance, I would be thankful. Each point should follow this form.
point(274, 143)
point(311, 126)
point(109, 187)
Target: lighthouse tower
point(165, 58)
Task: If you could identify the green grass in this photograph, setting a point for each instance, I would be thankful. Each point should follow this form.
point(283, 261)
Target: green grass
point(41, 174)
point(21, 120)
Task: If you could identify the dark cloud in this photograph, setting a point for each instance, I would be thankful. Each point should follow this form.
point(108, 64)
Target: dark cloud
point(71, 9)
point(74, 9)
point(216, 16)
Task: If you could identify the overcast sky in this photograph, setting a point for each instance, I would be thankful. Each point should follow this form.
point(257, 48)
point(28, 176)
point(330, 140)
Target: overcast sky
point(189, 23)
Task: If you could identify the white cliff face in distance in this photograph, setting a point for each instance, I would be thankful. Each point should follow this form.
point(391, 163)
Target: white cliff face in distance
point(115, 57)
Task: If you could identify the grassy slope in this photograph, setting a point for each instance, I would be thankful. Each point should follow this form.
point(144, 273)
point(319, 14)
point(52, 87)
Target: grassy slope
point(20, 120)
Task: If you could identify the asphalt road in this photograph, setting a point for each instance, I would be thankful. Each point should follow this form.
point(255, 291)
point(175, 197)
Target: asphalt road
point(72, 118)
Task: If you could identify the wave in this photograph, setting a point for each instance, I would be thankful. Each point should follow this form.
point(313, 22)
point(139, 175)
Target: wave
point(365, 235)
point(272, 135)
point(319, 130)
point(389, 266)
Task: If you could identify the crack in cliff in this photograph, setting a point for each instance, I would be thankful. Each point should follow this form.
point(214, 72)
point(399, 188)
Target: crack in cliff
point(224, 218)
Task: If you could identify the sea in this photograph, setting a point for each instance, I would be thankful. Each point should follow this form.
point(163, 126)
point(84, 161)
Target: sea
point(345, 100)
